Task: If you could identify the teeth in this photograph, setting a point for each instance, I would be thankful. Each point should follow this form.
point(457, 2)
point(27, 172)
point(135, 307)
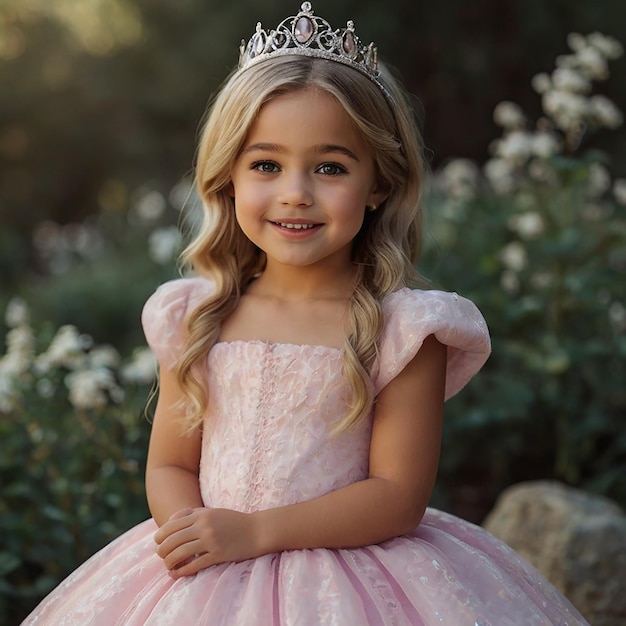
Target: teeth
point(296, 226)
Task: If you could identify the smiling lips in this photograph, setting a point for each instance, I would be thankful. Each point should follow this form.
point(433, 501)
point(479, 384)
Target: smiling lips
point(297, 226)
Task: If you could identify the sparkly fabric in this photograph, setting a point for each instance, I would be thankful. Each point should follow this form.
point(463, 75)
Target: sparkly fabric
point(267, 443)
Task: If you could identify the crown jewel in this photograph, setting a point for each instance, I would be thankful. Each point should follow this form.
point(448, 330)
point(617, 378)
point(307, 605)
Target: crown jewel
point(309, 35)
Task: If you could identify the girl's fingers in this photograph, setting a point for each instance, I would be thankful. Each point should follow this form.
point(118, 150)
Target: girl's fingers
point(176, 540)
point(182, 556)
point(192, 565)
point(180, 514)
point(173, 525)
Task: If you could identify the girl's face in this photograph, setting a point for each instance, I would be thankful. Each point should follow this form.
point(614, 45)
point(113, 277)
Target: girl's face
point(303, 180)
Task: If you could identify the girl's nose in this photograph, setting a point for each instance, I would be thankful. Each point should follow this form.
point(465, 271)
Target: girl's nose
point(296, 190)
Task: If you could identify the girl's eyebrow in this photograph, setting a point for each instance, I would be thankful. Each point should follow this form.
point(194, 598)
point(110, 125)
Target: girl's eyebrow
point(321, 149)
point(328, 148)
point(264, 147)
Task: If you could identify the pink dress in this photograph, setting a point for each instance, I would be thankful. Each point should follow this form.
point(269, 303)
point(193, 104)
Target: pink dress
point(266, 443)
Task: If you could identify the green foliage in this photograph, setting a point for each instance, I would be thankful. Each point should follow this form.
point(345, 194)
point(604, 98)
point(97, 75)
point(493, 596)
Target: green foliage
point(550, 402)
point(72, 417)
point(72, 480)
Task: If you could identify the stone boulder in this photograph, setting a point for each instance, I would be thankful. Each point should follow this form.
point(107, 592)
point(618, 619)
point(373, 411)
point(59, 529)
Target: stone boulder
point(575, 539)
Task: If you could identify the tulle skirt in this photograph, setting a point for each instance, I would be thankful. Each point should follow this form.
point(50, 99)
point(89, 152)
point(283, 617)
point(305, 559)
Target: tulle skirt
point(447, 571)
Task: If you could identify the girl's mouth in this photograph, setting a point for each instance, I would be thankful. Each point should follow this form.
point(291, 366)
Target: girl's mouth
point(295, 226)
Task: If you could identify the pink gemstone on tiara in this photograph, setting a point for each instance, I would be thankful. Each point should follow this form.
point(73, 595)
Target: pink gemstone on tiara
point(349, 45)
point(259, 44)
point(303, 30)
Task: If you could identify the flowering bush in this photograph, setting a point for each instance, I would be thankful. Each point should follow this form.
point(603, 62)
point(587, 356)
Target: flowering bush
point(72, 408)
point(74, 440)
point(537, 236)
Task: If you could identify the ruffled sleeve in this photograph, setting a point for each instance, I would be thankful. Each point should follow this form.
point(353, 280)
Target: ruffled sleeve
point(413, 315)
point(164, 314)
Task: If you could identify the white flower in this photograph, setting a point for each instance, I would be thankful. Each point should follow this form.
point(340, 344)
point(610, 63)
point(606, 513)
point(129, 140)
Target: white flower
point(150, 206)
point(576, 41)
point(617, 316)
point(83, 240)
point(7, 393)
point(592, 63)
point(605, 112)
point(91, 388)
point(510, 282)
point(67, 349)
point(608, 46)
point(16, 313)
point(104, 356)
point(544, 145)
point(509, 115)
point(541, 83)
point(619, 190)
point(13, 365)
point(182, 193)
point(515, 146)
point(568, 110)
point(142, 368)
point(20, 352)
point(163, 244)
point(459, 178)
point(528, 225)
point(47, 237)
point(501, 176)
point(21, 340)
point(599, 180)
point(566, 79)
point(514, 256)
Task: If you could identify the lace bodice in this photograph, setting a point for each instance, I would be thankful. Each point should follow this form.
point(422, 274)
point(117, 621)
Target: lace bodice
point(267, 435)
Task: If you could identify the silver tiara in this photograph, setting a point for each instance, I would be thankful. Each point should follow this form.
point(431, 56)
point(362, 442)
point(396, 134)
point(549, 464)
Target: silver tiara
point(306, 34)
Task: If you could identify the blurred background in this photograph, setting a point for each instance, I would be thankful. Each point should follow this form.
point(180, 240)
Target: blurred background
point(100, 106)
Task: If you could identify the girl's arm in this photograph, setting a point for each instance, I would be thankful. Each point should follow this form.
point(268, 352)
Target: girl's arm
point(404, 455)
point(173, 458)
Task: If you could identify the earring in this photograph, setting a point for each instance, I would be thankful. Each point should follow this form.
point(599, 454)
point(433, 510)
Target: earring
point(371, 207)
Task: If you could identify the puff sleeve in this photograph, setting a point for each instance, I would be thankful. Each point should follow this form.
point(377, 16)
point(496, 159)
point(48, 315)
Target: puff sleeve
point(413, 315)
point(163, 316)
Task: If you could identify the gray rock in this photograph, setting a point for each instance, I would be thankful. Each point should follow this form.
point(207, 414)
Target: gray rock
point(575, 539)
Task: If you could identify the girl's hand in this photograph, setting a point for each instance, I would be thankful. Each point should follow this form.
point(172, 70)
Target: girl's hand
point(194, 539)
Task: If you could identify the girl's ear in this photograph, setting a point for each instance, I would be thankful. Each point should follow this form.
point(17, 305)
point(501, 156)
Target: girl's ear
point(377, 196)
point(230, 189)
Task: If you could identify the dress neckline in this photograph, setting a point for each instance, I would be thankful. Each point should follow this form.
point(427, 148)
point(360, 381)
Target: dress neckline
point(272, 345)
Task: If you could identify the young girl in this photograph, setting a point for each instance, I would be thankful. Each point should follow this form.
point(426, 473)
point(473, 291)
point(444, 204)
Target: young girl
point(297, 432)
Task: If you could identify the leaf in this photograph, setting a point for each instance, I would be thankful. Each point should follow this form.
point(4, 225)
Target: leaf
point(8, 563)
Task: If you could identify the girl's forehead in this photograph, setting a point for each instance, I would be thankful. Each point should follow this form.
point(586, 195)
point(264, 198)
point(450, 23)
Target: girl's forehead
point(305, 113)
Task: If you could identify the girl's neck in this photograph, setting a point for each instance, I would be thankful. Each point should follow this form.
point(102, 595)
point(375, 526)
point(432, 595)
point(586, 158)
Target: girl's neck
point(303, 283)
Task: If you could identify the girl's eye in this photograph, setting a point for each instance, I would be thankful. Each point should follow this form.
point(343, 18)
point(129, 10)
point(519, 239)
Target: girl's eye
point(331, 169)
point(265, 167)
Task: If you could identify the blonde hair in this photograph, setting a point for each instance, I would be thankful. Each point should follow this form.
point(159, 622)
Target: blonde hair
point(384, 251)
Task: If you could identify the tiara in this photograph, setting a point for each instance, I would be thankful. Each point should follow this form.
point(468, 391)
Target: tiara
point(306, 34)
